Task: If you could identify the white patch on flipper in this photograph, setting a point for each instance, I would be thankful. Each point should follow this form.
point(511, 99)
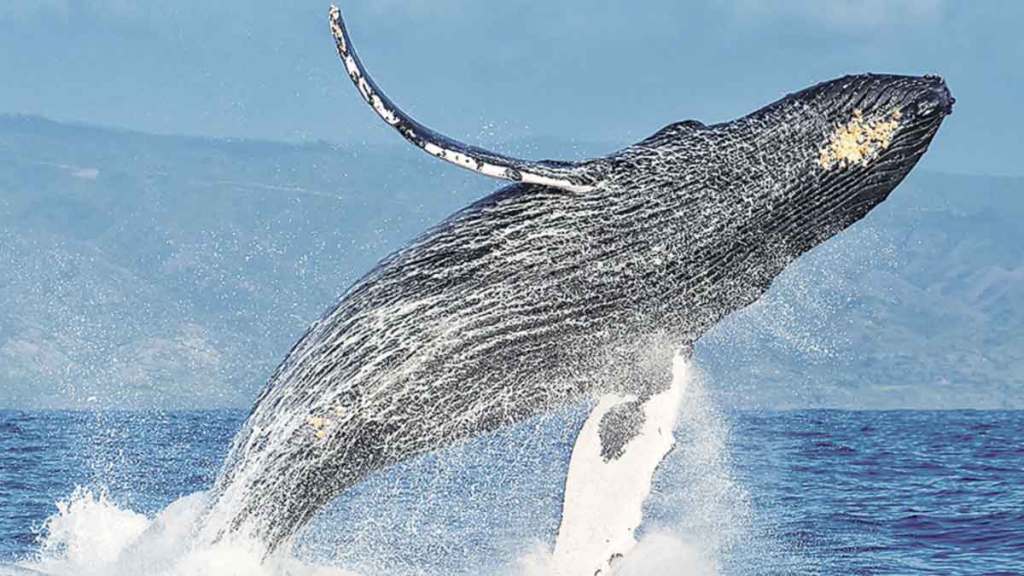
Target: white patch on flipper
point(604, 501)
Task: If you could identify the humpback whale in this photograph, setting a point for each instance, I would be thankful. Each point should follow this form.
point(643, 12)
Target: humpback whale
point(577, 281)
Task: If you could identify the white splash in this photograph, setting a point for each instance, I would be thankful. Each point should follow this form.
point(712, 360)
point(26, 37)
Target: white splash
point(91, 536)
point(664, 553)
point(702, 519)
point(88, 530)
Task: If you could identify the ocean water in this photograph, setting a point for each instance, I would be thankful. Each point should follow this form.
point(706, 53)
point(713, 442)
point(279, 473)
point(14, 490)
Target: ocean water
point(803, 492)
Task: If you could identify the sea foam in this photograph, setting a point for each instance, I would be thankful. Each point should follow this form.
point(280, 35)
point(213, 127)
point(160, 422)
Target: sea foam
point(91, 536)
point(697, 516)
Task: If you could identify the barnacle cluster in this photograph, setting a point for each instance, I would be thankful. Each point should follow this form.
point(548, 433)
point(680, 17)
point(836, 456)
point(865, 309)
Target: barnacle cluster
point(859, 141)
point(319, 424)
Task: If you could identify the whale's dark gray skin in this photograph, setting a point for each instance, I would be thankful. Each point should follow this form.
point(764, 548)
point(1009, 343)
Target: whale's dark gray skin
point(577, 279)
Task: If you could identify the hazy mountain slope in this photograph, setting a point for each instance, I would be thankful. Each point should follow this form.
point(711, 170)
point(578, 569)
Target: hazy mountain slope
point(166, 270)
point(919, 305)
point(141, 270)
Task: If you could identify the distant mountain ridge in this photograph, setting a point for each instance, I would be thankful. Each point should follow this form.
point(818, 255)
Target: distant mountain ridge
point(921, 305)
point(164, 271)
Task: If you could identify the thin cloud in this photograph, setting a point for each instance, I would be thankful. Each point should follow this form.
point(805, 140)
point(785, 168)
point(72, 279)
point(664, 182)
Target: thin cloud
point(21, 9)
point(844, 15)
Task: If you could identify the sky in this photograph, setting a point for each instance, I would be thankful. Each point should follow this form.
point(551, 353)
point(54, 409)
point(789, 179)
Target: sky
point(609, 71)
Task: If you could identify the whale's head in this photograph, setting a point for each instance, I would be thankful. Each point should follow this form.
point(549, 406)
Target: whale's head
point(743, 199)
point(856, 138)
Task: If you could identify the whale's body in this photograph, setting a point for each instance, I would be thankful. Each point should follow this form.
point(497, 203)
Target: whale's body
point(542, 294)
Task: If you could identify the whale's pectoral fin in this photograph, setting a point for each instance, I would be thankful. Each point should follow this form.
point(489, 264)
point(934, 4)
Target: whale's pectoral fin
point(571, 176)
point(613, 463)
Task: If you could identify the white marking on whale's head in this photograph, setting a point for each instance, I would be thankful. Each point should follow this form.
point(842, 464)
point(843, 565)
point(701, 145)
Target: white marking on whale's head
point(822, 158)
point(860, 140)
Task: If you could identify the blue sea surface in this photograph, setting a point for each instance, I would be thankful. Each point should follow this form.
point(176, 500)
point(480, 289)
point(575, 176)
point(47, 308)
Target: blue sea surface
point(829, 492)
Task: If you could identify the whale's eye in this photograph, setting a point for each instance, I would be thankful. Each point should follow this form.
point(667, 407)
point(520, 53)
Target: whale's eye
point(858, 141)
